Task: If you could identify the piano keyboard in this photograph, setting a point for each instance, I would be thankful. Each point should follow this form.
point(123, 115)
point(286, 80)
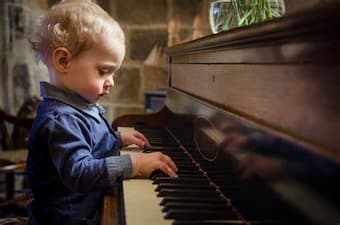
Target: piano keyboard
point(194, 198)
point(190, 198)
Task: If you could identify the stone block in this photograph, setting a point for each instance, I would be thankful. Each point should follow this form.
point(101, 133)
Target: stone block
point(187, 10)
point(142, 41)
point(141, 12)
point(154, 78)
point(127, 88)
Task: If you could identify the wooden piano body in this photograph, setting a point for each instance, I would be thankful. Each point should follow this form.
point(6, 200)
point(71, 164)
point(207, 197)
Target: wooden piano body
point(257, 111)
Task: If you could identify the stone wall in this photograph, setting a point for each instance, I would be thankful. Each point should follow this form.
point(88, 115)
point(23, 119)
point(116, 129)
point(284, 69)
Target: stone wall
point(145, 23)
point(19, 72)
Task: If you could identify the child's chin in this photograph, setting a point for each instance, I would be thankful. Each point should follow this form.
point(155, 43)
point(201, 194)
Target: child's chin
point(99, 97)
point(93, 100)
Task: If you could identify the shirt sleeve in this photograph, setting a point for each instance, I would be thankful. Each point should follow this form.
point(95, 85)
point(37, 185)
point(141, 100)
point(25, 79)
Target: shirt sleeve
point(69, 141)
point(119, 139)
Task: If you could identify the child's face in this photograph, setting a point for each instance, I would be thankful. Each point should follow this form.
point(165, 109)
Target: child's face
point(91, 72)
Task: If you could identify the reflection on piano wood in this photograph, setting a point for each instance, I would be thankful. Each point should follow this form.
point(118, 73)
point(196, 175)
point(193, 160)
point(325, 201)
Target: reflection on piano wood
point(251, 119)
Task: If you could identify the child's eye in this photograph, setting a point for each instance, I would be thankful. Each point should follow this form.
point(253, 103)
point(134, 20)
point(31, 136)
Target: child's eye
point(102, 71)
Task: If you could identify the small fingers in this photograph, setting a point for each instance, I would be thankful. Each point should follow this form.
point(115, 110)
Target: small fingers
point(171, 163)
point(168, 170)
point(147, 144)
point(138, 142)
point(164, 163)
point(168, 166)
point(141, 136)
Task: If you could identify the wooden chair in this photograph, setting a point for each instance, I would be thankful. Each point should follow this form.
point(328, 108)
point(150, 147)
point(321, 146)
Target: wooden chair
point(22, 122)
point(14, 149)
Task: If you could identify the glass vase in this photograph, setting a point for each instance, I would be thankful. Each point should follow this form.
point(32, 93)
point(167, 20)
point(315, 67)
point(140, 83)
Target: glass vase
point(227, 14)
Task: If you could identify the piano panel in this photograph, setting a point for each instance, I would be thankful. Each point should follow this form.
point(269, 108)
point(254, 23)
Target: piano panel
point(274, 51)
point(300, 100)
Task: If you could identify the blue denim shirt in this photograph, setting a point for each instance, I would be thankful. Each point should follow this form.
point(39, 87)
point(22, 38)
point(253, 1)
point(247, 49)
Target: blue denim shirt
point(73, 159)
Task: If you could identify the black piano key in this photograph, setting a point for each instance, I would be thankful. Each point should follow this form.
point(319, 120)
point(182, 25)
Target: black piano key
point(157, 173)
point(175, 156)
point(164, 148)
point(186, 167)
point(181, 171)
point(183, 186)
point(179, 158)
point(190, 175)
point(195, 205)
point(163, 143)
point(184, 192)
point(189, 172)
point(180, 180)
point(203, 199)
point(160, 137)
point(186, 164)
point(190, 214)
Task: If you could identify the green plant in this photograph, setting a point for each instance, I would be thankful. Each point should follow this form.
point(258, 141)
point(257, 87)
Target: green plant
point(225, 14)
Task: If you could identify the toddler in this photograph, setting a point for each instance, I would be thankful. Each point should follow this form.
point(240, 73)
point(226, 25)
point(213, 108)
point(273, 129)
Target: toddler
point(73, 152)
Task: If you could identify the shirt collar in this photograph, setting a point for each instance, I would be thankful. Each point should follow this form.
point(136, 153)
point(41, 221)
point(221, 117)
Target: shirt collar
point(50, 91)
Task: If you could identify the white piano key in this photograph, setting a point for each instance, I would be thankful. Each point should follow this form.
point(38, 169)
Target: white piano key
point(141, 204)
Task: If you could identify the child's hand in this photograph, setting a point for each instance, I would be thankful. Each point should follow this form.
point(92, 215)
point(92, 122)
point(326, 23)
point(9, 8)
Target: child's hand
point(134, 137)
point(143, 164)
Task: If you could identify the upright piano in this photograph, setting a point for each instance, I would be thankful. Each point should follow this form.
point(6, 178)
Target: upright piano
point(252, 120)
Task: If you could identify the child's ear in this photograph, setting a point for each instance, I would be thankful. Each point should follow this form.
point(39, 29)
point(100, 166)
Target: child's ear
point(61, 59)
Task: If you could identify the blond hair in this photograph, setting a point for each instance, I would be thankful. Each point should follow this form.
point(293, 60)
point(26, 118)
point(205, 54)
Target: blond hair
point(73, 24)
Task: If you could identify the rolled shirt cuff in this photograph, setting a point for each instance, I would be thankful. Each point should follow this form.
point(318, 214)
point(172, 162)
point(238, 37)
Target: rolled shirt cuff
point(119, 138)
point(118, 166)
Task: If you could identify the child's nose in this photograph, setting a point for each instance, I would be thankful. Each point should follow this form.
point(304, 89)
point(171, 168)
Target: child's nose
point(109, 82)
